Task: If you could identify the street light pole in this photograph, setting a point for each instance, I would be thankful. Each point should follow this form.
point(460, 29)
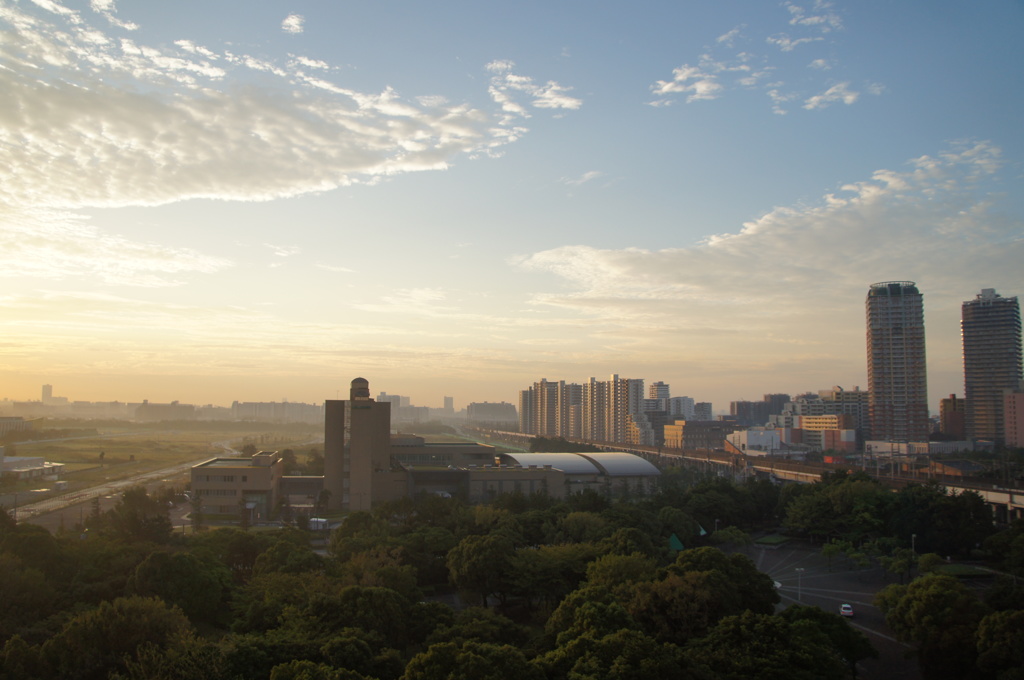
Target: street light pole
point(799, 584)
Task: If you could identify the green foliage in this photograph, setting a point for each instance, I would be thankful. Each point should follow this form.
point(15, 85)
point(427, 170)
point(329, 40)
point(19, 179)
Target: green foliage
point(1001, 644)
point(938, 614)
point(307, 670)
point(755, 590)
point(97, 643)
point(136, 517)
point(481, 565)
point(614, 569)
point(479, 625)
point(477, 660)
point(237, 550)
point(200, 589)
point(768, 647)
point(619, 654)
point(547, 573)
point(849, 643)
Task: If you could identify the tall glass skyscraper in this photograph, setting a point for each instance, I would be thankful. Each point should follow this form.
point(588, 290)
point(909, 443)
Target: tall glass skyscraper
point(990, 325)
point(897, 373)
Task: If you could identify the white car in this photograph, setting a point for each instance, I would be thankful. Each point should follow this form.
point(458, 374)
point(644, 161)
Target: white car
point(845, 610)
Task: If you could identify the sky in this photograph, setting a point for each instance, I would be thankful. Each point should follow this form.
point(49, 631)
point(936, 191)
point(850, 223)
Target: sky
point(262, 200)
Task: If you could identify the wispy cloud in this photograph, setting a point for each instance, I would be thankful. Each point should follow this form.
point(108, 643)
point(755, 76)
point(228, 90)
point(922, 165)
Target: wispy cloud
point(821, 15)
point(738, 60)
point(283, 251)
point(46, 244)
point(334, 268)
point(787, 44)
point(931, 219)
point(293, 24)
point(582, 179)
point(840, 92)
point(505, 85)
point(192, 124)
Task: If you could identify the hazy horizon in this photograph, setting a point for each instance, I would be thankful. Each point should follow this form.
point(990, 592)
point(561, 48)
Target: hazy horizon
point(261, 202)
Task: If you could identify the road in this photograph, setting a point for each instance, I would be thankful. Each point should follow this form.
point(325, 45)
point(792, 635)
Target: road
point(807, 578)
point(175, 474)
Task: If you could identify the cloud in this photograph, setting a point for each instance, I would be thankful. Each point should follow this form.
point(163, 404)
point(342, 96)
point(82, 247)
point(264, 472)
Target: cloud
point(335, 268)
point(723, 67)
point(283, 251)
point(797, 267)
point(729, 38)
point(93, 119)
point(583, 179)
point(44, 244)
point(293, 23)
point(505, 85)
point(787, 44)
point(191, 126)
point(821, 17)
point(692, 81)
point(839, 92)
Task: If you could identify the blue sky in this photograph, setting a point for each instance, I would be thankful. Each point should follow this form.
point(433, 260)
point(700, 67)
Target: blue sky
point(210, 201)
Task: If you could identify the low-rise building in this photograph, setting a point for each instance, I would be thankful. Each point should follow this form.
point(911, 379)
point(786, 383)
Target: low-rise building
point(221, 486)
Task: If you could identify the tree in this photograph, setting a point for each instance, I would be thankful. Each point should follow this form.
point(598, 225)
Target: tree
point(621, 654)
point(616, 569)
point(938, 614)
point(549, 572)
point(196, 512)
point(290, 461)
point(849, 643)
point(683, 605)
point(755, 590)
point(480, 565)
point(766, 647)
point(1001, 644)
point(97, 643)
point(314, 463)
point(307, 670)
point(480, 625)
point(199, 588)
point(137, 517)
point(476, 660)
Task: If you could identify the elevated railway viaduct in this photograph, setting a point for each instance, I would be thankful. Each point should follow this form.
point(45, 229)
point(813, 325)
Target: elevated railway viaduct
point(1007, 501)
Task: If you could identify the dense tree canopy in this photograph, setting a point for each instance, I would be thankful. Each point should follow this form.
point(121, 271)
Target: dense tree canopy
point(585, 588)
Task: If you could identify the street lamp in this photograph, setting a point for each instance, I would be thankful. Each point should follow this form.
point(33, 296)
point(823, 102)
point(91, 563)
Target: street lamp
point(913, 543)
point(799, 584)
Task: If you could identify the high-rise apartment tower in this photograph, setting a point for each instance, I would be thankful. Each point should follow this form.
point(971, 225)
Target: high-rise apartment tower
point(897, 374)
point(990, 325)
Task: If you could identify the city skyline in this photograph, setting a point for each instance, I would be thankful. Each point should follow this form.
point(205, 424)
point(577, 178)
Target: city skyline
point(262, 202)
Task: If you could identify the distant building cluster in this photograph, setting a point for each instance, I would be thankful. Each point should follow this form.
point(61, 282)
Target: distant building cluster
point(889, 418)
point(616, 410)
point(365, 464)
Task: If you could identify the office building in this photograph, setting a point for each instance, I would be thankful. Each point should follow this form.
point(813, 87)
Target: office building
point(952, 417)
point(357, 440)
point(990, 326)
point(1013, 413)
point(658, 390)
point(897, 374)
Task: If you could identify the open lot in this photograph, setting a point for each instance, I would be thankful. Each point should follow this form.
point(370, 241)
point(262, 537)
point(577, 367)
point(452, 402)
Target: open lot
point(806, 577)
point(104, 464)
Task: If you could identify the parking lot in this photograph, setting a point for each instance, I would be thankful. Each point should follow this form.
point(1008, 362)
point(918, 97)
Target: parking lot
point(805, 577)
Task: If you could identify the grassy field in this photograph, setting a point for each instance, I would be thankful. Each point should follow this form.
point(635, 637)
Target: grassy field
point(114, 455)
